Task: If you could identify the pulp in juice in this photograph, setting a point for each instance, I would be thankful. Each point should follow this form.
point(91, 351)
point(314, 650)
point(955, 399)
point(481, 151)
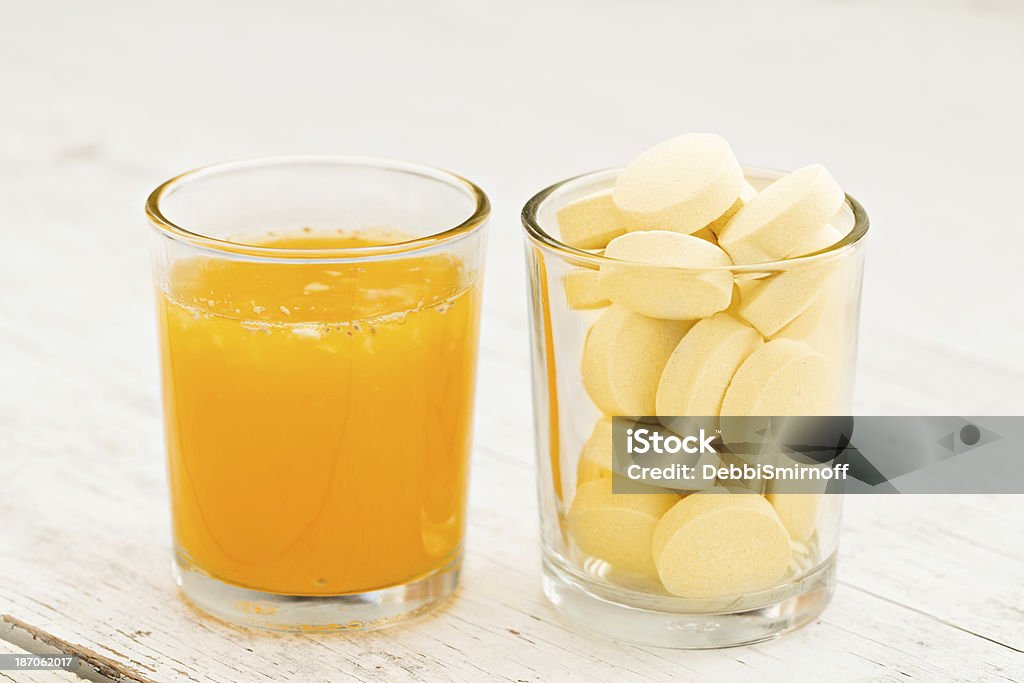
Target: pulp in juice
point(319, 414)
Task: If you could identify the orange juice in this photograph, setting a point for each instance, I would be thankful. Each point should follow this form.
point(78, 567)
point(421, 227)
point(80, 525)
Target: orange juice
point(319, 415)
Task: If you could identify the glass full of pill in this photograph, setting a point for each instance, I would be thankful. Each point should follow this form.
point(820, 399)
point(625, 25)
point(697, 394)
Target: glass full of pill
point(318, 324)
point(685, 285)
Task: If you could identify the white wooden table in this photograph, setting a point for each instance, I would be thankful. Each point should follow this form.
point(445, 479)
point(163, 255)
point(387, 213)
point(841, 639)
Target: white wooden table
point(915, 106)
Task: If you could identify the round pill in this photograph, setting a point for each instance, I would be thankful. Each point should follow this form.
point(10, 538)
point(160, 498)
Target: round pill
point(582, 290)
point(747, 192)
point(596, 457)
point(591, 222)
point(682, 184)
point(663, 276)
point(822, 326)
point(623, 357)
point(798, 500)
point(710, 546)
point(798, 512)
point(617, 527)
point(783, 216)
point(822, 239)
point(783, 377)
point(773, 302)
point(702, 365)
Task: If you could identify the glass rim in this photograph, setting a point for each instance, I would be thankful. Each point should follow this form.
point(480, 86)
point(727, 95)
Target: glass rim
point(160, 222)
point(542, 238)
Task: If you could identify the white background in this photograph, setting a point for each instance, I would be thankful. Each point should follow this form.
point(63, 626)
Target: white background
point(914, 106)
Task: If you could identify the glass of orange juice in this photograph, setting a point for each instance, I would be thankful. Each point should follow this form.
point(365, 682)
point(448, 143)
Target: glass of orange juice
point(318, 325)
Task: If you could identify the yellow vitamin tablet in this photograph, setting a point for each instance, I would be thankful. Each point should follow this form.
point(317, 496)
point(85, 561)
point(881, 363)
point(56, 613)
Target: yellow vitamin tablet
point(822, 326)
point(746, 194)
point(591, 222)
point(798, 500)
point(783, 377)
point(663, 277)
point(596, 457)
point(783, 216)
point(798, 512)
point(825, 237)
point(702, 365)
point(772, 303)
point(735, 301)
point(582, 289)
point(710, 546)
point(623, 357)
point(682, 184)
point(617, 527)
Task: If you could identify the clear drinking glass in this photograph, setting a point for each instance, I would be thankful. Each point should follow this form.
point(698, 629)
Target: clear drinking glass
point(318, 332)
point(603, 572)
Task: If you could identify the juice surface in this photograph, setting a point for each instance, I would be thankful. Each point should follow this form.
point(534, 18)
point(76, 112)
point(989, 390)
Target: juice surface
point(319, 415)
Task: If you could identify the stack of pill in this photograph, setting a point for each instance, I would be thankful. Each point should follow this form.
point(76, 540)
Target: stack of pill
point(680, 334)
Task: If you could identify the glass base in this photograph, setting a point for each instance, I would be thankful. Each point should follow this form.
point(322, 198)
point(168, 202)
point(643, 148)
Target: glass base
point(643, 623)
point(316, 613)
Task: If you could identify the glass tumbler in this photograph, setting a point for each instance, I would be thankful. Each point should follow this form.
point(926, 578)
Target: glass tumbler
point(609, 563)
point(318, 326)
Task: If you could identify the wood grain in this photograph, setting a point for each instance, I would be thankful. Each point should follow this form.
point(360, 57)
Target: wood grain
point(101, 104)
